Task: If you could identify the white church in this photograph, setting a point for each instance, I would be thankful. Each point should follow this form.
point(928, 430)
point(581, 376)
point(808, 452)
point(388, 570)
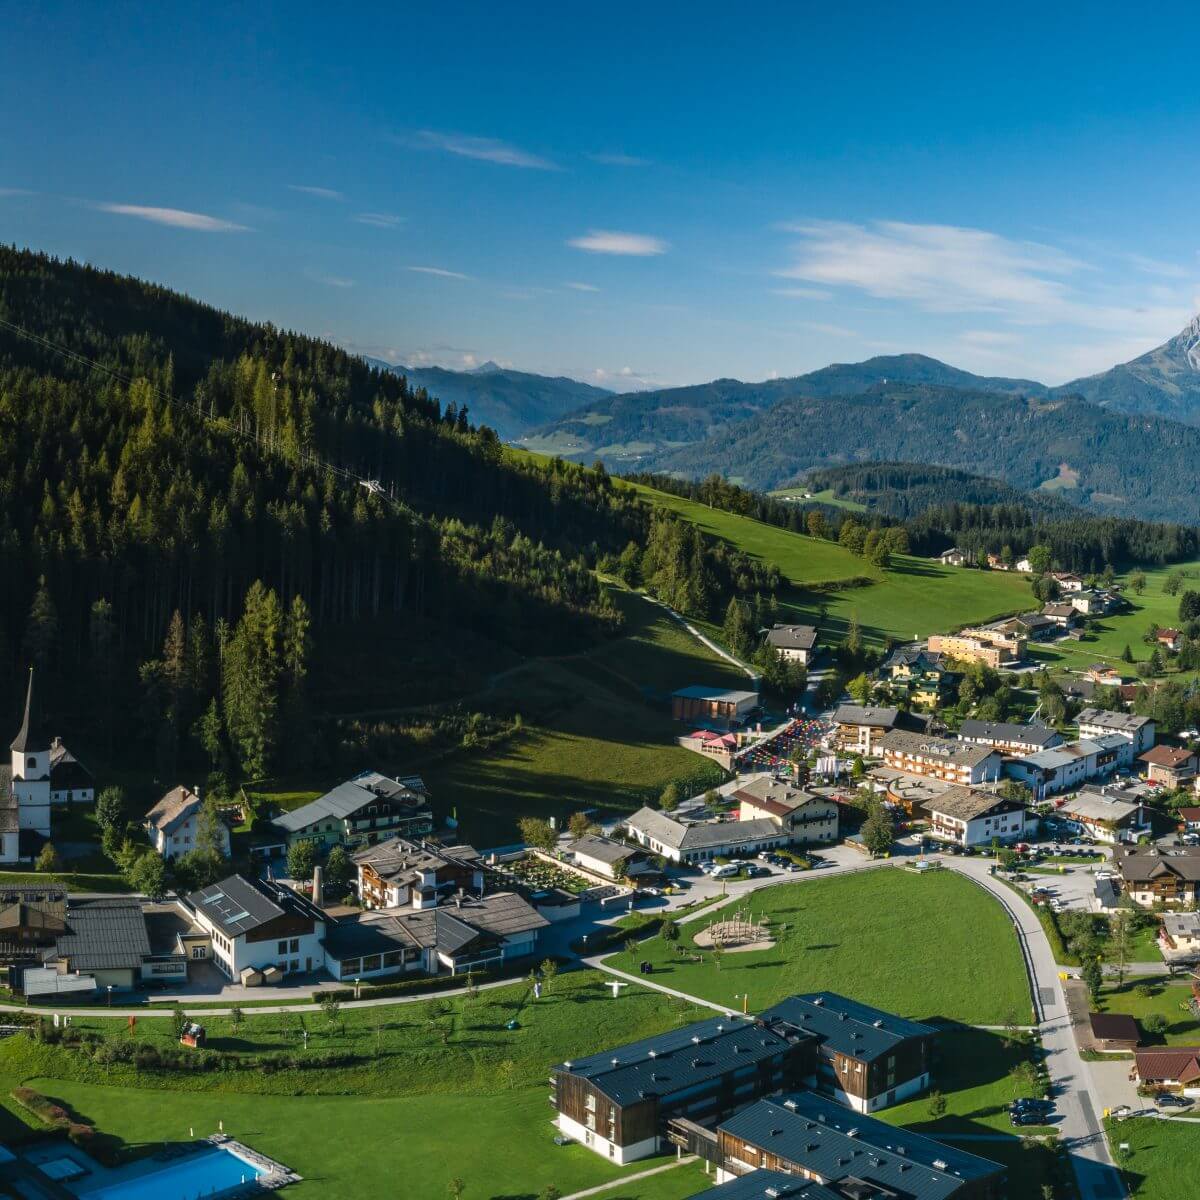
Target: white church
point(42, 772)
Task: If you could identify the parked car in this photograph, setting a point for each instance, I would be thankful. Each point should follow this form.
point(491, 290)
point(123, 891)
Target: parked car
point(1025, 1118)
point(757, 872)
point(1168, 1100)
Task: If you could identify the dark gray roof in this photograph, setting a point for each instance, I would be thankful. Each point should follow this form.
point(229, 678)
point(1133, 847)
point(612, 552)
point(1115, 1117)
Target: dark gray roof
point(840, 1145)
point(401, 858)
point(238, 905)
point(31, 735)
point(878, 717)
point(967, 804)
point(678, 1059)
point(347, 798)
point(1146, 864)
point(1005, 731)
point(106, 934)
point(768, 1185)
point(792, 637)
point(452, 926)
point(366, 934)
point(699, 692)
point(847, 1026)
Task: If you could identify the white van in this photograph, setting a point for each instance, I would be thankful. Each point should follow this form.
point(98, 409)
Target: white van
point(724, 870)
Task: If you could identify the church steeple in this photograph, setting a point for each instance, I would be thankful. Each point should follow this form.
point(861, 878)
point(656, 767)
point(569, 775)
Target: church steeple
point(31, 736)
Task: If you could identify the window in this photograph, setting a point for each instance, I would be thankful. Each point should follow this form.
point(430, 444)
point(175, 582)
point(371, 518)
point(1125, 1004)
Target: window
point(295, 948)
point(281, 948)
point(199, 952)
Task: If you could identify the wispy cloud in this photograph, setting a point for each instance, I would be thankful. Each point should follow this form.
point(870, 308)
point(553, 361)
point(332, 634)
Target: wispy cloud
point(575, 286)
point(619, 160)
point(10, 191)
point(802, 293)
point(378, 220)
point(334, 281)
point(177, 218)
point(485, 149)
point(611, 241)
point(441, 272)
point(321, 193)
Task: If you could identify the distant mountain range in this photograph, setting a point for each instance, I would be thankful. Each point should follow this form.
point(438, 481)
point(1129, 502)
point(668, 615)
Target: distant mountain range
point(1081, 439)
point(511, 402)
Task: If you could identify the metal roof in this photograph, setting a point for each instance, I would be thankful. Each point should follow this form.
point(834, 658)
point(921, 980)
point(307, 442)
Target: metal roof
point(238, 905)
point(31, 735)
point(175, 807)
point(838, 1144)
point(725, 695)
point(1005, 731)
point(966, 804)
point(602, 849)
point(792, 637)
point(847, 1026)
point(768, 1185)
point(104, 934)
point(1122, 722)
point(680, 1058)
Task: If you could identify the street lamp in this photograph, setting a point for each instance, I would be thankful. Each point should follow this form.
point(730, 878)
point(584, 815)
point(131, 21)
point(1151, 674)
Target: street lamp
point(110, 988)
point(356, 983)
point(744, 997)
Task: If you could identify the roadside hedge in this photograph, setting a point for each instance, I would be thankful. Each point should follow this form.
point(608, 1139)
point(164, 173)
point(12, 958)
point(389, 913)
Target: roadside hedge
point(430, 984)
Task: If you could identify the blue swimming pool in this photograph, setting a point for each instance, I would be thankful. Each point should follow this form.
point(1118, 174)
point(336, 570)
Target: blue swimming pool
point(205, 1173)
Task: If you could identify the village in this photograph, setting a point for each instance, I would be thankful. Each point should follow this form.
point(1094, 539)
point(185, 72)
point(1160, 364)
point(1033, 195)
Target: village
point(1067, 824)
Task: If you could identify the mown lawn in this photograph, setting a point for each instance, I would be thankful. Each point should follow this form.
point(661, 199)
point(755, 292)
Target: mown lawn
point(1169, 999)
point(803, 560)
point(931, 946)
point(500, 1146)
point(1163, 1157)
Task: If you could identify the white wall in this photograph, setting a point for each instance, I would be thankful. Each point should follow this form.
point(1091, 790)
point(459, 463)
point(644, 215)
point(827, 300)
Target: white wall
point(602, 1146)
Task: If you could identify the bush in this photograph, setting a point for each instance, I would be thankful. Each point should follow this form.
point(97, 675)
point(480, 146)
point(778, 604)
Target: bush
point(1155, 1024)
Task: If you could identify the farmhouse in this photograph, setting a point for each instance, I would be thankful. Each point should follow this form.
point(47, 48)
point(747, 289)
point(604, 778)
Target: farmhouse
point(1103, 674)
point(970, 818)
point(1150, 875)
point(806, 817)
point(1169, 639)
point(1179, 936)
point(940, 758)
point(954, 557)
point(804, 1134)
point(174, 823)
point(793, 643)
point(1067, 582)
point(920, 676)
point(859, 728)
point(1009, 738)
point(32, 918)
point(1169, 766)
point(401, 873)
point(1108, 816)
point(1058, 770)
point(1099, 722)
point(866, 1059)
point(1064, 615)
point(718, 707)
point(361, 811)
point(619, 1102)
point(1169, 1067)
point(258, 925)
point(703, 840)
point(603, 856)
point(70, 781)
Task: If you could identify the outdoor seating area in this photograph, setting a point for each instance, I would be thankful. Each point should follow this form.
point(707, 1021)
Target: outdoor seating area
point(537, 873)
point(803, 733)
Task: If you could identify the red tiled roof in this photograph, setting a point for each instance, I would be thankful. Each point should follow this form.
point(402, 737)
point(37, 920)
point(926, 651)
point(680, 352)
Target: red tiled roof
point(1177, 1062)
point(1188, 814)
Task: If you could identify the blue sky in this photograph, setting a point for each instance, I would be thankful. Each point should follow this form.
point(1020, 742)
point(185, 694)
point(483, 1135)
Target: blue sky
point(630, 194)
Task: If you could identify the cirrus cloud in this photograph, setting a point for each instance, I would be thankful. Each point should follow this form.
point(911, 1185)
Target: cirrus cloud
point(378, 220)
point(321, 193)
point(177, 218)
point(613, 241)
point(440, 272)
point(485, 149)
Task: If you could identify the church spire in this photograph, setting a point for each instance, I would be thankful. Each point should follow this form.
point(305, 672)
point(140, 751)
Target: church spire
point(30, 735)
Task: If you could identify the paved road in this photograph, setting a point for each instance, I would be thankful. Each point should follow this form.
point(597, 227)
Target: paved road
point(1080, 1127)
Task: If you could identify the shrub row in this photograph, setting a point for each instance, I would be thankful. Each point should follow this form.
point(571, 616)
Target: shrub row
point(427, 983)
point(53, 1115)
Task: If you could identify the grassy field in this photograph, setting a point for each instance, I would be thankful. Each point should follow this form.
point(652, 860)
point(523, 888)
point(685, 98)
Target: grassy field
point(825, 497)
point(1162, 1159)
point(1168, 999)
point(1112, 634)
point(803, 560)
point(875, 935)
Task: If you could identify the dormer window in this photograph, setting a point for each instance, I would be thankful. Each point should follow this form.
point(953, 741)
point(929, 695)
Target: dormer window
point(31, 762)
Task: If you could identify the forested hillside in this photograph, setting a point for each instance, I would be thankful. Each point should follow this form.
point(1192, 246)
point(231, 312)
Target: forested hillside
point(181, 519)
